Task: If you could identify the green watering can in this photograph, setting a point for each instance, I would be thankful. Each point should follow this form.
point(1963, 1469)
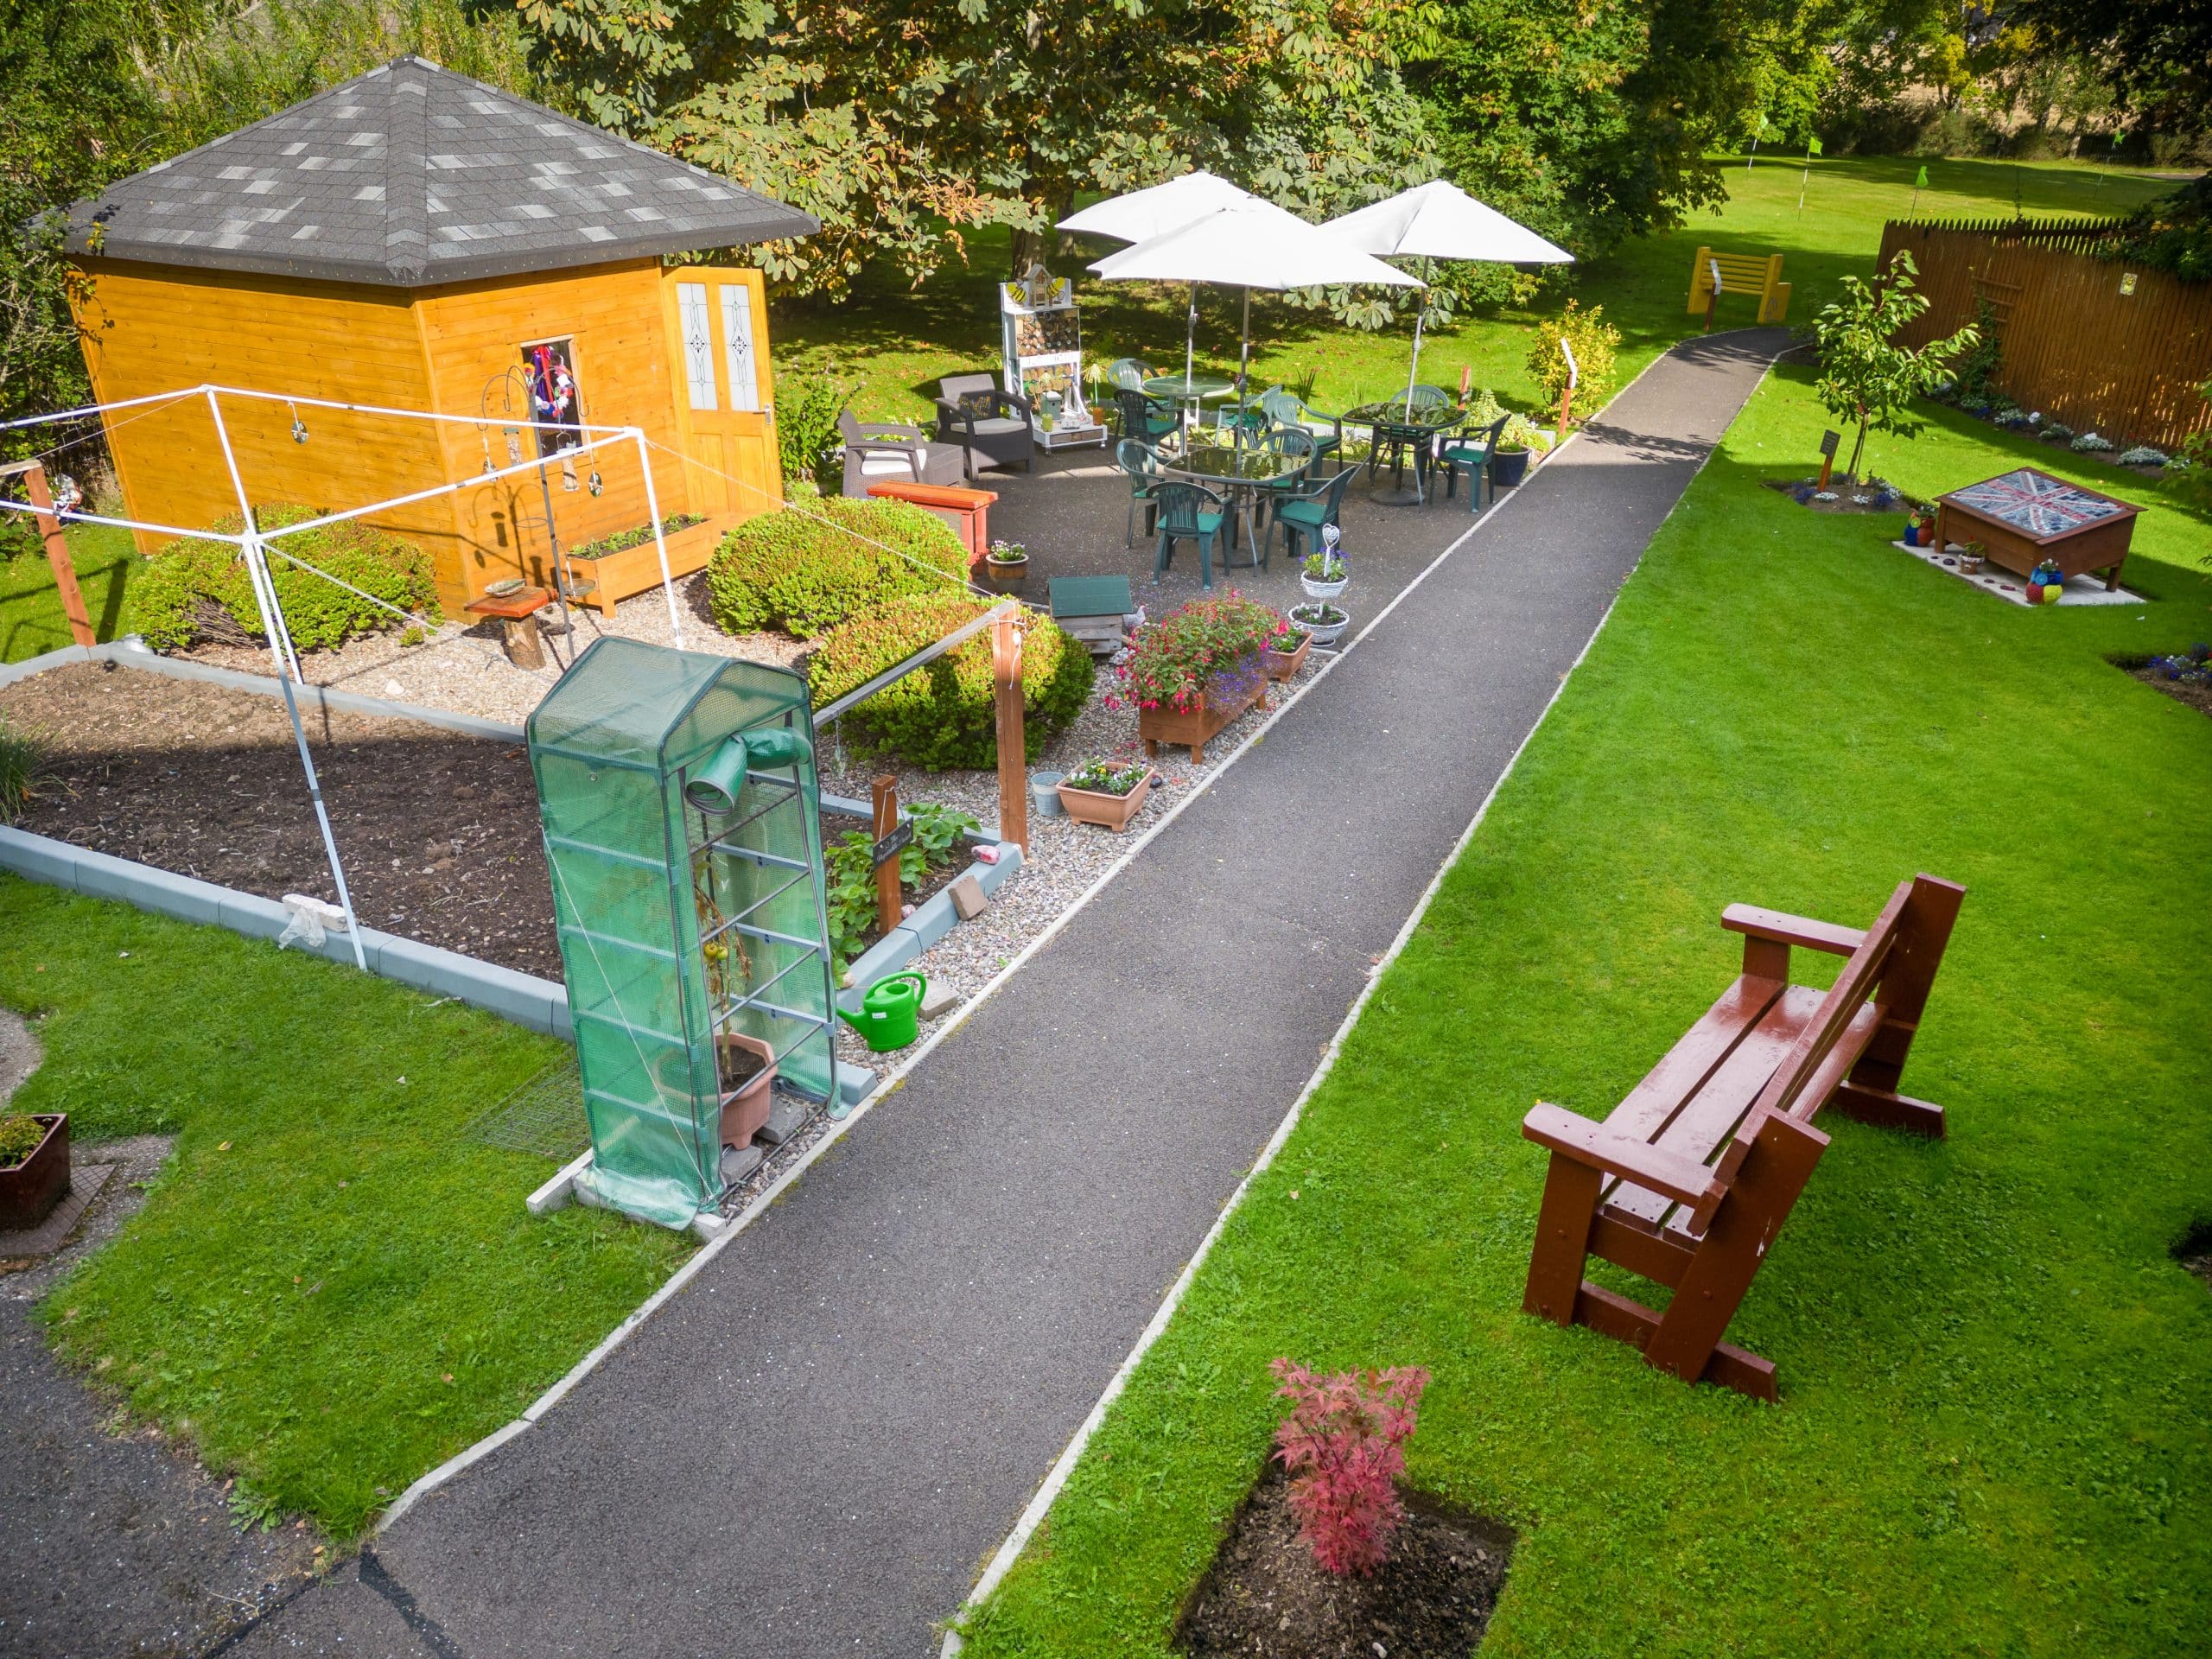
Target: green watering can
point(889, 1012)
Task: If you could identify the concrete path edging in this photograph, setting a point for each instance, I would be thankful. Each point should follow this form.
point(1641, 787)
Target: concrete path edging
point(539, 1004)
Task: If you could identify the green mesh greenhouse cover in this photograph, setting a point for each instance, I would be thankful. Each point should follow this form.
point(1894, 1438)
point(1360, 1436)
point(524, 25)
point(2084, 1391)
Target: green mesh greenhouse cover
point(680, 808)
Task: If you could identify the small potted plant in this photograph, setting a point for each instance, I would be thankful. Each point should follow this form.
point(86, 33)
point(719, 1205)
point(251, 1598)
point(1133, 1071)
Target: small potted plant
point(1971, 555)
point(1322, 623)
point(33, 1168)
point(1325, 573)
point(1509, 462)
point(1286, 651)
point(1006, 564)
point(1103, 793)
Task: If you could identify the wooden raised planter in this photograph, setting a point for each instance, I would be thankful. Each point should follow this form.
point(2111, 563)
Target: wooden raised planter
point(1281, 664)
point(1114, 812)
point(617, 576)
point(1197, 727)
point(30, 1189)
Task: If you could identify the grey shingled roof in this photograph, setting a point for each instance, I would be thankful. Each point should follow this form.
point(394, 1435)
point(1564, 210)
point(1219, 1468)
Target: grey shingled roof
point(409, 176)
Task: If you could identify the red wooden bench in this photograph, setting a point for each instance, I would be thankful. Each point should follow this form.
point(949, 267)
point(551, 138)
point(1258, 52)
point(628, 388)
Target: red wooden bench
point(1689, 1179)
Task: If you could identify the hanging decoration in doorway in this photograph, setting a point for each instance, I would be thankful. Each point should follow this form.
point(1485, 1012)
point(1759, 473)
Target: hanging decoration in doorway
point(552, 387)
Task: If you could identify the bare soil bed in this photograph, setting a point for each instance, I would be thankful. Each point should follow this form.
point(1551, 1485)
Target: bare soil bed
point(438, 831)
point(1849, 498)
point(2198, 697)
point(1265, 1599)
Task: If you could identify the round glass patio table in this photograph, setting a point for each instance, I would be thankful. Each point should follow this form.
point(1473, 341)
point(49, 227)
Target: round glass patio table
point(1238, 472)
point(1414, 429)
point(1174, 389)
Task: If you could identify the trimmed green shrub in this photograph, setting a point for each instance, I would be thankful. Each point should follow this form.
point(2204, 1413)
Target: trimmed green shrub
point(806, 569)
point(941, 715)
point(190, 584)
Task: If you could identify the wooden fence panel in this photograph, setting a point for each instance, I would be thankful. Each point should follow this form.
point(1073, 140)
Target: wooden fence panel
point(2075, 346)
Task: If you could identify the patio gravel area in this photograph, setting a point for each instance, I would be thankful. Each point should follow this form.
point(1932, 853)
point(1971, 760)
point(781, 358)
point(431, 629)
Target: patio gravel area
point(813, 1448)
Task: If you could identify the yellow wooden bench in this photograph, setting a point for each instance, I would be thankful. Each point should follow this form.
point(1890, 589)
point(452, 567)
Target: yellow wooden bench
point(1716, 273)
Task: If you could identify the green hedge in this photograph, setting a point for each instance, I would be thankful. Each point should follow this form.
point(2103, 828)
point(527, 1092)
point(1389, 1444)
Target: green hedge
point(167, 596)
point(941, 715)
point(806, 570)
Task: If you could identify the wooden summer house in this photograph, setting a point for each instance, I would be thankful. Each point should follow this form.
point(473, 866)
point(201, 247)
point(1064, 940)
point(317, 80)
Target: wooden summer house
point(417, 240)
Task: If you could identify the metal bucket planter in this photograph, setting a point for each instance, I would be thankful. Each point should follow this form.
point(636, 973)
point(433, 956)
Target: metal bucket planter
point(30, 1189)
point(1045, 793)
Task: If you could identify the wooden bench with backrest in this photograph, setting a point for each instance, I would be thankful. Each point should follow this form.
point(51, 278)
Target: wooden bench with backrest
point(1739, 273)
point(1689, 1179)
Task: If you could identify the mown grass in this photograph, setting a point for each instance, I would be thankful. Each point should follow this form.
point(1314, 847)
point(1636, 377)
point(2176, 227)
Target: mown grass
point(31, 619)
point(1995, 1430)
point(896, 344)
point(330, 1289)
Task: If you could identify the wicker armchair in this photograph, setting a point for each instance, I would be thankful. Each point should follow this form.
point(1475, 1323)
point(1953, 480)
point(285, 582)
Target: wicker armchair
point(876, 450)
point(987, 421)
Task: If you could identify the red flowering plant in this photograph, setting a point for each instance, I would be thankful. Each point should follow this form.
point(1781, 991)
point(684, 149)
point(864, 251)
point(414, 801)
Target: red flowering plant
point(1213, 643)
point(1343, 1446)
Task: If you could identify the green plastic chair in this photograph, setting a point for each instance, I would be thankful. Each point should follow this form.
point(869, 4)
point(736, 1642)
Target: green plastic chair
point(1128, 373)
point(1391, 451)
point(1288, 409)
point(1319, 502)
point(1474, 453)
point(1145, 419)
point(1189, 513)
point(1141, 462)
point(1294, 443)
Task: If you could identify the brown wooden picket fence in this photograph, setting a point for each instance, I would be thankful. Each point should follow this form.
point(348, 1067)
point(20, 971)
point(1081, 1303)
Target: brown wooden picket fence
point(2076, 345)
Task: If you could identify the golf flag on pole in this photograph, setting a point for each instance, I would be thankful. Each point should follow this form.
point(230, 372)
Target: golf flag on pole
point(1812, 148)
point(1919, 184)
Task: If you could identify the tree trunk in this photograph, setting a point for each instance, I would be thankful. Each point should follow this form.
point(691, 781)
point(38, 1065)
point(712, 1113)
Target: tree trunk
point(1858, 448)
point(1053, 198)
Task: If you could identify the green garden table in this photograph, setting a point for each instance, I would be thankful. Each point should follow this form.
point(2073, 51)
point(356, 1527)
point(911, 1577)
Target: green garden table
point(1196, 391)
point(1238, 472)
point(1403, 429)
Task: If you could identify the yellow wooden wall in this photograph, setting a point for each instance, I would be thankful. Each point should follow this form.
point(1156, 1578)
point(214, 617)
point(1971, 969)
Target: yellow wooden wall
point(474, 335)
point(157, 328)
point(152, 329)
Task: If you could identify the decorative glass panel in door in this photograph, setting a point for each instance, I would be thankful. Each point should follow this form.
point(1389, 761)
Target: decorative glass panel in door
point(698, 343)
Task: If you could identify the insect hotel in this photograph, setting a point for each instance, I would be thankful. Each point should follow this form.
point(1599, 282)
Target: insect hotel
point(413, 240)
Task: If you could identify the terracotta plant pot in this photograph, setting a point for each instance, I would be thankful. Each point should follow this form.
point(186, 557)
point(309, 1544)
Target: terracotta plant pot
point(1281, 664)
point(30, 1189)
point(745, 1108)
point(1113, 813)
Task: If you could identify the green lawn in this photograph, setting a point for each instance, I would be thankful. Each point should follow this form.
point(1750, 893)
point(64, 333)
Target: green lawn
point(1995, 1430)
point(30, 609)
point(330, 1289)
point(896, 344)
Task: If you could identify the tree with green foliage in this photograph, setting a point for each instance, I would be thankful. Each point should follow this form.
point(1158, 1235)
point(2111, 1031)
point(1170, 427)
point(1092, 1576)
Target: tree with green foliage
point(1865, 378)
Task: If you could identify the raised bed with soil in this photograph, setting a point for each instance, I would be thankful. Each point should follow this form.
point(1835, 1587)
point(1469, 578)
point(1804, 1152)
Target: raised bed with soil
point(438, 831)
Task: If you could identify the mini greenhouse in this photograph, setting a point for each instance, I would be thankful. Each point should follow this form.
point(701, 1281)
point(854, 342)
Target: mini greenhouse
point(680, 808)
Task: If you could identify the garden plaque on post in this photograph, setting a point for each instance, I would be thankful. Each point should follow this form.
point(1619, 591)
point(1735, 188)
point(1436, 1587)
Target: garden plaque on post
point(1830, 442)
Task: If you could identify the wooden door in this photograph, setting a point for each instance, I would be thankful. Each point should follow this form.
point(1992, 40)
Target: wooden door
point(718, 324)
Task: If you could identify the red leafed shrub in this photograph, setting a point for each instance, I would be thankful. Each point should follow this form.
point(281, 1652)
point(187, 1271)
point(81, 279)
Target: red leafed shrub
point(1343, 1447)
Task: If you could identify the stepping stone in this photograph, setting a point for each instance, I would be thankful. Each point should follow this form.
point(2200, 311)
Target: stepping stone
point(786, 1114)
point(938, 1000)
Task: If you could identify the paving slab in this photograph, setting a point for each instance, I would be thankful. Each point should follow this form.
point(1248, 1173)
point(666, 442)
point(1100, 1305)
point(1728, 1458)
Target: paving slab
point(812, 1449)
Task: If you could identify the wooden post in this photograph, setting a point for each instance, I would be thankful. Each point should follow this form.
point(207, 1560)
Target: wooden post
point(1566, 409)
point(888, 905)
point(57, 556)
point(1013, 763)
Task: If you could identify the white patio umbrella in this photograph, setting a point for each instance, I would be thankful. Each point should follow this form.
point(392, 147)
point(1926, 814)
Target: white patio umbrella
point(1438, 220)
point(1140, 214)
point(1249, 244)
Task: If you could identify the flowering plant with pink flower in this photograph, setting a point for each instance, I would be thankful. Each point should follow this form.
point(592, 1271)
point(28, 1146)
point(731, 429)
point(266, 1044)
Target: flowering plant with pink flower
point(1208, 644)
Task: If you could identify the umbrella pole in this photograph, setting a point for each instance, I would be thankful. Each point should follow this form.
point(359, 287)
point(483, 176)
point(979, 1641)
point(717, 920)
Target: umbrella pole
point(1243, 369)
point(1420, 316)
point(1190, 338)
